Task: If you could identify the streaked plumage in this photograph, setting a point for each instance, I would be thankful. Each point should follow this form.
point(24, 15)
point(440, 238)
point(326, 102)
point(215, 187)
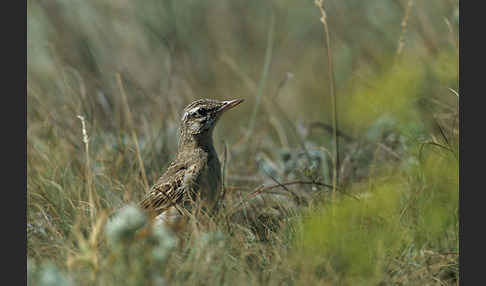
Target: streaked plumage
point(195, 173)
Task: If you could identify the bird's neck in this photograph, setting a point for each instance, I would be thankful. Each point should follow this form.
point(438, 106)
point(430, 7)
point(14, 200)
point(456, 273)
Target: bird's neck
point(189, 142)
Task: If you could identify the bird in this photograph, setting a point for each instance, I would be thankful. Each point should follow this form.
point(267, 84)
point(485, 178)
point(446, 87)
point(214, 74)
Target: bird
point(195, 173)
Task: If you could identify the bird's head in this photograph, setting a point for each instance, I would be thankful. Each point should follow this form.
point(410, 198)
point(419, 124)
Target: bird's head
point(200, 117)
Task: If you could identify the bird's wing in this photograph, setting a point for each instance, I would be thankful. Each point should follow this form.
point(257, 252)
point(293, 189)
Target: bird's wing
point(171, 187)
point(167, 191)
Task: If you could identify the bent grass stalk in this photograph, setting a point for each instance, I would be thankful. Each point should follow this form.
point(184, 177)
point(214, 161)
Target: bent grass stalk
point(335, 176)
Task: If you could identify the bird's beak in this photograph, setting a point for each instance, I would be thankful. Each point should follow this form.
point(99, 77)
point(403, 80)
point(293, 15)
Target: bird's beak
point(228, 104)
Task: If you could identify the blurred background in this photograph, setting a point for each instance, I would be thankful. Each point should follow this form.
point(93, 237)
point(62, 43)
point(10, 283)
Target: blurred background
point(392, 60)
point(129, 68)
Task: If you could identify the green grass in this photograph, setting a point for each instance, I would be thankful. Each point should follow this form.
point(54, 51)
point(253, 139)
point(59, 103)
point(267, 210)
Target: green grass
point(394, 220)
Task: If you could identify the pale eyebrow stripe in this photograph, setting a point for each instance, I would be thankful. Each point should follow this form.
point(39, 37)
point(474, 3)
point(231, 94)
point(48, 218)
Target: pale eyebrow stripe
point(193, 110)
point(190, 111)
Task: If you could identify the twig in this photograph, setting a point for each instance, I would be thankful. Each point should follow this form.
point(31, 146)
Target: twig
point(281, 185)
point(441, 131)
point(296, 197)
point(453, 91)
point(297, 182)
point(435, 144)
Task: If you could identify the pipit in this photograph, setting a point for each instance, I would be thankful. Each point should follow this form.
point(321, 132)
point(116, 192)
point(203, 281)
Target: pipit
point(195, 173)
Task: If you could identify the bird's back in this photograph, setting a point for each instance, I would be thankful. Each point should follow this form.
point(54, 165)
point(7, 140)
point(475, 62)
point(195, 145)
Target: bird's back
point(191, 176)
point(195, 173)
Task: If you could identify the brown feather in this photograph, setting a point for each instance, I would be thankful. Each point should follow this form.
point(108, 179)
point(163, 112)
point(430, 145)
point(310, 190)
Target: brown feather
point(196, 168)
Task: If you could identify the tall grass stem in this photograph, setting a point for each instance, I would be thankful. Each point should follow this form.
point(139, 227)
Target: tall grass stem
point(404, 25)
point(335, 176)
point(89, 187)
point(263, 79)
point(128, 115)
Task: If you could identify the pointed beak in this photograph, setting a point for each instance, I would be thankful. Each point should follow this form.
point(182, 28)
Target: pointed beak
point(228, 104)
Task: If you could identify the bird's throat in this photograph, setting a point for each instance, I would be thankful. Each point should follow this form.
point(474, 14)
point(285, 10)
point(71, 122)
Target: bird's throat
point(189, 142)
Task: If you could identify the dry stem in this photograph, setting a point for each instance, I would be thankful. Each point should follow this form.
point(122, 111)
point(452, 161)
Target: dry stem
point(128, 114)
point(404, 25)
point(87, 170)
point(335, 177)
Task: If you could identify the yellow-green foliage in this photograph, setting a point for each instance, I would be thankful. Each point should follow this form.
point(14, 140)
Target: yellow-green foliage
point(114, 62)
point(446, 68)
point(437, 199)
point(393, 91)
point(354, 237)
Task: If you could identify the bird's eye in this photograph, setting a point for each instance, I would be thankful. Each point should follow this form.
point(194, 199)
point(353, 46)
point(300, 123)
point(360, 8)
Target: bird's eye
point(201, 111)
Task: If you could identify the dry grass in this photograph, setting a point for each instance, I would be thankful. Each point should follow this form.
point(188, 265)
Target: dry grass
point(127, 70)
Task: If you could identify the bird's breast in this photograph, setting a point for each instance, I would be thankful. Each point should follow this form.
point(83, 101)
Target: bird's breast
point(210, 180)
